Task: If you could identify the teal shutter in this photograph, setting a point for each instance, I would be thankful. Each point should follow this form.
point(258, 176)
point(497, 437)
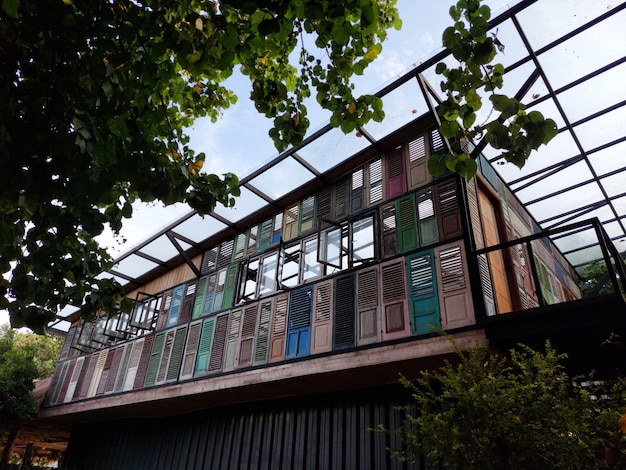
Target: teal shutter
point(264, 235)
point(406, 224)
point(423, 300)
point(204, 346)
point(175, 306)
point(198, 304)
point(155, 359)
point(229, 286)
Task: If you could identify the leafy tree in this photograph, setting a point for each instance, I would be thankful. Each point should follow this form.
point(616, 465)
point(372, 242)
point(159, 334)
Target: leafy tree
point(18, 370)
point(96, 97)
point(514, 131)
point(517, 412)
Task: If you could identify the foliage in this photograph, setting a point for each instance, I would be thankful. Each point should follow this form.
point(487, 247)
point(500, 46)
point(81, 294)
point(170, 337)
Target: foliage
point(46, 349)
point(18, 370)
point(524, 411)
point(594, 274)
point(95, 99)
point(514, 131)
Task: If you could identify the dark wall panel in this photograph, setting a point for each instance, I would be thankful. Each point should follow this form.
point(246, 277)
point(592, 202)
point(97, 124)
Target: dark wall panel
point(316, 432)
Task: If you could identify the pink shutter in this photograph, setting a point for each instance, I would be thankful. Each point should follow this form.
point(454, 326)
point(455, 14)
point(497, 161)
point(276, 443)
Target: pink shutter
point(396, 179)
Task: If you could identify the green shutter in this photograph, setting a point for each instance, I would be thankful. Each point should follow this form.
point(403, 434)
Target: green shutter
point(205, 344)
point(176, 356)
point(424, 303)
point(155, 359)
point(229, 286)
point(406, 224)
point(264, 236)
point(198, 304)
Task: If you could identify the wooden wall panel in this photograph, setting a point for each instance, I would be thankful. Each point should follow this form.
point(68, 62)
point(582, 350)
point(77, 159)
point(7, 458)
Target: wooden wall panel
point(176, 276)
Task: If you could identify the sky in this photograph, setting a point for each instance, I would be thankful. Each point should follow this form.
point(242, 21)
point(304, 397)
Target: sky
point(232, 146)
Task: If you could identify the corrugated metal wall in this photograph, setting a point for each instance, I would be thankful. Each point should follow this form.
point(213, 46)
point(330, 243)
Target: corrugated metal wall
point(321, 432)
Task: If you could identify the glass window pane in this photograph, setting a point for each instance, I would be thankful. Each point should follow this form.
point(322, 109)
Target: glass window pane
point(248, 288)
point(291, 266)
point(268, 274)
point(362, 241)
point(312, 268)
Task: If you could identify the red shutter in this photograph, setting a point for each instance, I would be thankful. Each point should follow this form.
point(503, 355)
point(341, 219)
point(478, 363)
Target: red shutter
point(396, 179)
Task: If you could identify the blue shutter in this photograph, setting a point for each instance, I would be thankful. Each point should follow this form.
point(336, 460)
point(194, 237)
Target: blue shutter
point(175, 306)
point(299, 323)
point(423, 301)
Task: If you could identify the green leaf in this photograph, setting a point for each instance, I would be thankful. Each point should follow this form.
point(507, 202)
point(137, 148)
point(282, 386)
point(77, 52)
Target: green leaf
point(11, 7)
point(437, 165)
point(449, 129)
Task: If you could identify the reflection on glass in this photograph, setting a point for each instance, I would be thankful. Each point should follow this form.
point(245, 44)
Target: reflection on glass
point(311, 266)
point(362, 241)
point(250, 280)
point(291, 266)
point(268, 274)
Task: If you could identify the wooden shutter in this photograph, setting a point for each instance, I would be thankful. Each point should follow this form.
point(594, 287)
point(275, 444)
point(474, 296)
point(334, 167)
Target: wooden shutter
point(368, 312)
point(230, 286)
point(133, 364)
point(54, 384)
point(67, 343)
point(279, 328)
point(426, 219)
point(219, 343)
point(104, 375)
point(448, 212)
point(299, 323)
point(307, 215)
point(175, 306)
point(232, 339)
point(246, 336)
point(198, 304)
point(176, 354)
point(225, 256)
point(544, 281)
point(241, 245)
point(123, 369)
point(88, 369)
point(375, 190)
point(188, 302)
point(437, 145)
point(164, 310)
point(290, 222)
point(396, 179)
point(144, 359)
point(341, 201)
point(262, 337)
point(165, 356)
point(209, 260)
point(191, 351)
point(417, 162)
point(209, 296)
point(71, 389)
point(97, 372)
point(321, 329)
point(204, 345)
point(114, 368)
point(390, 236)
point(487, 286)
point(344, 321)
point(472, 201)
point(455, 298)
point(394, 300)
point(155, 359)
point(424, 305)
point(81, 378)
point(357, 194)
point(406, 223)
point(264, 235)
point(62, 383)
point(324, 207)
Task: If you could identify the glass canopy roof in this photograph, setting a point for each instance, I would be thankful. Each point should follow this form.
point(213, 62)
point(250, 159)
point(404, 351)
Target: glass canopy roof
point(567, 59)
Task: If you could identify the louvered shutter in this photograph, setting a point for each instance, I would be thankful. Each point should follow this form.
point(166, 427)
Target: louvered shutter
point(357, 196)
point(118, 353)
point(279, 328)
point(225, 255)
point(448, 212)
point(406, 224)
point(252, 239)
point(198, 304)
point(390, 236)
point(229, 286)
point(368, 312)
point(299, 323)
point(164, 310)
point(321, 329)
point(133, 364)
point(487, 286)
point(472, 201)
point(63, 383)
point(344, 320)
point(246, 337)
point(187, 306)
point(71, 389)
point(191, 351)
point(426, 219)
point(375, 190)
point(86, 379)
point(205, 344)
point(176, 354)
point(307, 215)
point(67, 343)
point(164, 356)
point(290, 222)
point(417, 162)
point(544, 281)
point(144, 361)
point(209, 260)
point(104, 374)
point(123, 369)
point(324, 207)
point(262, 336)
point(176, 305)
point(97, 372)
point(455, 298)
point(155, 359)
point(264, 236)
point(437, 145)
point(54, 384)
point(424, 305)
point(396, 179)
point(209, 296)
point(232, 339)
point(241, 245)
point(219, 343)
point(341, 201)
point(394, 300)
